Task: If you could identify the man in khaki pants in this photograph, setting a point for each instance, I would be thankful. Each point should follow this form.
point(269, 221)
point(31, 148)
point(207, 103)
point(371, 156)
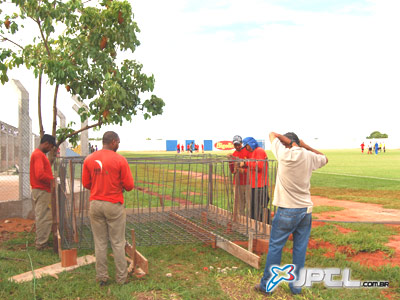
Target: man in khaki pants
point(106, 174)
point(41, 177)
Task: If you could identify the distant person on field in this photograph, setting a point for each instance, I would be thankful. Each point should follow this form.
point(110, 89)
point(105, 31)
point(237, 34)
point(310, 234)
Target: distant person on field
point(107, 174)
point(362, 147)
point(380, 147)
point(191, 148)
point(202, 148)
point(376, 148)
point(182, 148)
point(41, 177)
point(370, 148)
point(384, 148)
point(178, 148)
point(258, 172)
point(240, 178)
point(296, 161)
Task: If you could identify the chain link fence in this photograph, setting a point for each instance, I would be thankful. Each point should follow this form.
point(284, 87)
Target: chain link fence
point(11, 159)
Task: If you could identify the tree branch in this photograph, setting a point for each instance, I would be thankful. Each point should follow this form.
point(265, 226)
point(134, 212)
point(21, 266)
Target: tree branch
point(55, 110)
point(43, 38)
point(8, 40)
point(40, 105)
point(79, 131)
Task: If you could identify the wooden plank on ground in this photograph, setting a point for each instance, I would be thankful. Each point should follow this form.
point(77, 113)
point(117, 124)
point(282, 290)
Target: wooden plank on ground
point(52, 269)
point(140, 260)
point(239, 252)
point(235, 250)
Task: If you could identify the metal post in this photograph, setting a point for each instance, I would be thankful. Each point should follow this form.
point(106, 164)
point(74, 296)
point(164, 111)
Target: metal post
point(24, 128)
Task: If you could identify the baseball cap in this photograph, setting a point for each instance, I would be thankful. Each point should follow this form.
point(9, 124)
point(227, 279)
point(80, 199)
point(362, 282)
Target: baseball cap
point(237, 139)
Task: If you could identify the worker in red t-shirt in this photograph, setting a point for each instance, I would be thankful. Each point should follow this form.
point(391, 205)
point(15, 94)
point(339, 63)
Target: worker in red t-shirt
point(240, 179)
point(182, 148)
point(258, 171)
point(107, 174)
point(202, 148)
point(41, 178)
point(178, 148)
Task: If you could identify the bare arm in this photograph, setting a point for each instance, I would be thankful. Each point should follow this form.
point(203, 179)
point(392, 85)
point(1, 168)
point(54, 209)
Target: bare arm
point(305, 146)
point(284, 140)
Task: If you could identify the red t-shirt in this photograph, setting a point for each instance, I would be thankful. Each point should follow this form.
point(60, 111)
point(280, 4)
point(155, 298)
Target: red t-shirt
point(106, 174)
point(40, 171)
point(242, 154)
point(259, 168)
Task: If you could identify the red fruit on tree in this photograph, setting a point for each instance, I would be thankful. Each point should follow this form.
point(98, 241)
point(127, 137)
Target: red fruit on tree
point(7, 23)
point(120, 18)
point(103, 42)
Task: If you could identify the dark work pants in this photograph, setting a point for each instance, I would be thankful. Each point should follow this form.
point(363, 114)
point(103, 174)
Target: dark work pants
point(259, 202)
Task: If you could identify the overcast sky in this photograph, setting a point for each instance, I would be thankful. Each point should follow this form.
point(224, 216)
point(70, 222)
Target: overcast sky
point(321, 68)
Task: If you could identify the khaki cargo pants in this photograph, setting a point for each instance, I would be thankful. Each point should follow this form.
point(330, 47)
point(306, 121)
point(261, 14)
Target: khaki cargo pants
point(108, 221)
point(43, 216)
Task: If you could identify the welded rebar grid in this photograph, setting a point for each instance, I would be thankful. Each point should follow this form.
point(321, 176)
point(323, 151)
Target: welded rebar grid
point(176, 199)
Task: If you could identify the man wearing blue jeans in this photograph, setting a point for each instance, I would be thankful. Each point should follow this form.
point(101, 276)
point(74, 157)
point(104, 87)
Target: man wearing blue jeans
point(296, 161)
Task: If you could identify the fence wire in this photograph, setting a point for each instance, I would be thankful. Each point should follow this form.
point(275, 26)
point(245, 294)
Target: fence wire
point(176, 199)
point(14, 162)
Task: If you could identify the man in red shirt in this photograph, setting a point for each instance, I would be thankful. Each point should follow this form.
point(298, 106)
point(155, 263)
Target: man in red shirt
point(240, 179)
point(258, 169)
point(106, 174)
point(41, 178)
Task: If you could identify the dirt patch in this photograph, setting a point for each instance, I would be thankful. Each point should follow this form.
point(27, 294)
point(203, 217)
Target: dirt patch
point(150, 183)
point(355, 211)
point(389, 294)
point(9, 227)
point(239, 287)
point(198, 175)
point(153, 295)
point(161, 197)
point(376, 259)
point(192, 193)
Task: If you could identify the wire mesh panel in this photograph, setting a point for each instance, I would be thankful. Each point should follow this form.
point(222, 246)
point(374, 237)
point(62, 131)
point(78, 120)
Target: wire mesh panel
point(176, 199)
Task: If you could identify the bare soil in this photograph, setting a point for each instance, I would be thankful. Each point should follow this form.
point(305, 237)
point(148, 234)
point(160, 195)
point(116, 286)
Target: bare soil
point(356, 211)
point(9, 227)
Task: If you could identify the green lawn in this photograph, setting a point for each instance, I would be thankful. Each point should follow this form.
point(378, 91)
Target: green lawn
point(186, 263)
point(350, 175)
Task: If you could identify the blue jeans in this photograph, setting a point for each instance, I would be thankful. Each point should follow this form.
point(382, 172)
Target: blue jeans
point(285, 222)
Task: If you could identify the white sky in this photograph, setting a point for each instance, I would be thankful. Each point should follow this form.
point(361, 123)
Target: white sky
point(320, 68)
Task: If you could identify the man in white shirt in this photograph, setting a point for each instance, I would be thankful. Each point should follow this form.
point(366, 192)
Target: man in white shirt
point(296, 161)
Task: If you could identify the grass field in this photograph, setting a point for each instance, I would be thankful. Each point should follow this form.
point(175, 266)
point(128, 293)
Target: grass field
point(200, 272)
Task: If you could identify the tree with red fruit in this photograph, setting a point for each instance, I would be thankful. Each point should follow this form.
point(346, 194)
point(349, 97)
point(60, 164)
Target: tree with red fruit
point(82, 57)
